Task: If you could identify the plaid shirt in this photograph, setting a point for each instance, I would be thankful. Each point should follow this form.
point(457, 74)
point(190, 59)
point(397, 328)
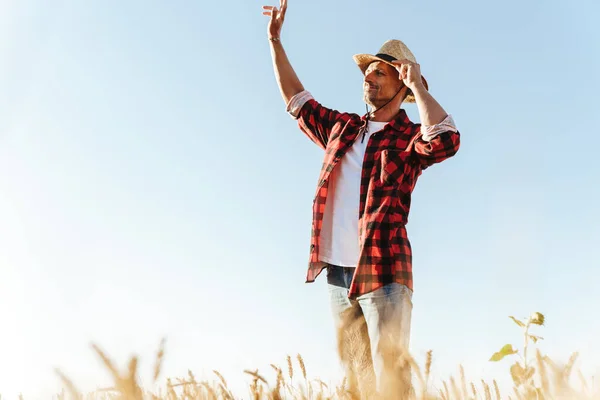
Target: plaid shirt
point(394, 158)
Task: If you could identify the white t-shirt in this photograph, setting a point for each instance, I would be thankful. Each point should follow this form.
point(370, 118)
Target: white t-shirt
point(339, 232)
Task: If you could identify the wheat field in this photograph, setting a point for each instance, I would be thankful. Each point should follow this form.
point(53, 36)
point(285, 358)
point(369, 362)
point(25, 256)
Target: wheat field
point(536, 376)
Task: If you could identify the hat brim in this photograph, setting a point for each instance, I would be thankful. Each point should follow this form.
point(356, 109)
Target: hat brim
point(364, 60)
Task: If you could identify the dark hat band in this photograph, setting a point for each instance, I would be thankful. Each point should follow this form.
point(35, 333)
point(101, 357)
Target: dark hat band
point(386, 57)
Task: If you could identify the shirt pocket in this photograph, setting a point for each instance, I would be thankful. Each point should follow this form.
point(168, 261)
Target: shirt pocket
point(393, 166)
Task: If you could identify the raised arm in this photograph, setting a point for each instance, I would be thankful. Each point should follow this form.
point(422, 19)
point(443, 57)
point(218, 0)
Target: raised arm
point(289, 84)
point(315, 120)
point(439, 137)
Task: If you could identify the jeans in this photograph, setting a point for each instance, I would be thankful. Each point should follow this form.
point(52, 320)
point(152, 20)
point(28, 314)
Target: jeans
point(373, 332)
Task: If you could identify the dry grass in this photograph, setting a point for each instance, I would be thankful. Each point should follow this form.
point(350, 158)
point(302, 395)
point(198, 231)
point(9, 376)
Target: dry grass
point(538, 378)
point(553, 381)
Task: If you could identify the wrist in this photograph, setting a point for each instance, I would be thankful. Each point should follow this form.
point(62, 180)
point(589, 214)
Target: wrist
point(418, 88)
point(274, 39)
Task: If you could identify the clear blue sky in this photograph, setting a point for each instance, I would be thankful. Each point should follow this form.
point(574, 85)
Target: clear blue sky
point(152, 184)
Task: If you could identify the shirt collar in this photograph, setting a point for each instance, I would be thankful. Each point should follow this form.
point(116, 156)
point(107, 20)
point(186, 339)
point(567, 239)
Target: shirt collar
point(400, 123)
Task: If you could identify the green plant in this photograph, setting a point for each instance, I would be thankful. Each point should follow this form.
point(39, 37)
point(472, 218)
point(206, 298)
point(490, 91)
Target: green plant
point(522, 373)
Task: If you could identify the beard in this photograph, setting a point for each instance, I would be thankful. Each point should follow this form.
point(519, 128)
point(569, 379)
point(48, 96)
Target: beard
point(373, 97)
point(376, 99)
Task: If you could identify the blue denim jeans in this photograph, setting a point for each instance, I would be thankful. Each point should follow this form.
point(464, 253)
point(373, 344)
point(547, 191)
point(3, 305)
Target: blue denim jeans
point(381, 321)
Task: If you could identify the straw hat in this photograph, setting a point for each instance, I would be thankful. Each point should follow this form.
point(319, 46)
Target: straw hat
point(391, 50)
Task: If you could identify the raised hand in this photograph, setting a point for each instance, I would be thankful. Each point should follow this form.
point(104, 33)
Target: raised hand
point(277, 18)
point(409, 73)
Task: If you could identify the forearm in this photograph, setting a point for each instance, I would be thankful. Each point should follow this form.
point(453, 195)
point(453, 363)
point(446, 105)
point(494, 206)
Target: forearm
point(289, 84)
point(440, 139)
point(430, 111)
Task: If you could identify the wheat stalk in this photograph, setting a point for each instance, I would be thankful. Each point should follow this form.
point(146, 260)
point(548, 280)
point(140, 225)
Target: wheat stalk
point(486, 389)
point(454, 388)
point(73, 391)
point(290, 368)
point(474, 390)
point(212, 395)
point(542, 372)
point(463, 382)
point(302, 366)
point(446, 391)
point(107, 363)
point(497, 390)
point(569, 367)
point(159, 360)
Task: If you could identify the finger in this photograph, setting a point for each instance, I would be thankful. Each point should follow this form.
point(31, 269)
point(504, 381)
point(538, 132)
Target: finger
point(404, 71)
point(274, 13)
point(267, 13)
point(402, 63)
point(268, 7)
point(414, 70)
point(400, 68)
point(282, 10)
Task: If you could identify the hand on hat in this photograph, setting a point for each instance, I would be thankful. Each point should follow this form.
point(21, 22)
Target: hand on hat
point(410, 73)
point(277, 18)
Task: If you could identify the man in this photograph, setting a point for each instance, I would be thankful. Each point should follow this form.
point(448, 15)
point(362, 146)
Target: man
point(362, 202)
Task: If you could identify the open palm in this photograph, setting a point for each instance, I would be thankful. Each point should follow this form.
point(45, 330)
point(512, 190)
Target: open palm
point(277, 18)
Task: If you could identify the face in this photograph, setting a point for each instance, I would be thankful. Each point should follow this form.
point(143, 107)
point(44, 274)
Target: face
point(381, 83)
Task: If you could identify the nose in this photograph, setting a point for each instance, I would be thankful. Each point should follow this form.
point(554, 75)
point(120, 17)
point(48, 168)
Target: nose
point(370, 79)
point(369, 83)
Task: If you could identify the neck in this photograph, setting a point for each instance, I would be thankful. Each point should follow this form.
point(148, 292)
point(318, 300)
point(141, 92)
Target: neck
point(388, 111)
point(386, 114)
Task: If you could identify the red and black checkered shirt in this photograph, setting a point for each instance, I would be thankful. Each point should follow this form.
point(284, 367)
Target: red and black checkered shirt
point(395, 157)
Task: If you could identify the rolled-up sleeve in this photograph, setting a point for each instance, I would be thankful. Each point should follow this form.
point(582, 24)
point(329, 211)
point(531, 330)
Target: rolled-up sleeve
point(315, 120)
point(435, 143)
point(297, 102)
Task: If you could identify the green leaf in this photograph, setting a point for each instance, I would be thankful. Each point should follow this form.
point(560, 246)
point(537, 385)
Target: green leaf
point(537, 318)
point(521, 375)
point(535, 338)
point(517, 372)
point(504, 351)
point(529, 373)
point(520, 323)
